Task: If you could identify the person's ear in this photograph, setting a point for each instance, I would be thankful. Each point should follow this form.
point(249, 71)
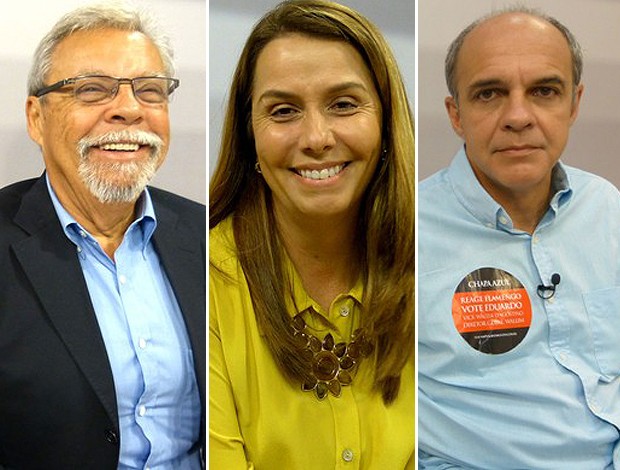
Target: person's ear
point(452, 108)
point(34, 119)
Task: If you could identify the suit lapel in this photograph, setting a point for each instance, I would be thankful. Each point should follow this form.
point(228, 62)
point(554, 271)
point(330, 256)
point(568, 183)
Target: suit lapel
point(49, 260)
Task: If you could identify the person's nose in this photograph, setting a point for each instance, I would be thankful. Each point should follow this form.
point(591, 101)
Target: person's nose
point(125, 107)
point(517, 114)
point(317, 135)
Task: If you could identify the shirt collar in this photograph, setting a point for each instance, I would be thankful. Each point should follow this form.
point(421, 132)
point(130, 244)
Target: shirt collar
point(481, 205)
point(301, 301)
point(146, 219)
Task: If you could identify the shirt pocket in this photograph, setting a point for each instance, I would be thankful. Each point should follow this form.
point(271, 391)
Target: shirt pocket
point(603, 307)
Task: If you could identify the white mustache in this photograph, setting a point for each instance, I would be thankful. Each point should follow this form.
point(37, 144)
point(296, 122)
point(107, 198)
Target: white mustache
point(134, 137)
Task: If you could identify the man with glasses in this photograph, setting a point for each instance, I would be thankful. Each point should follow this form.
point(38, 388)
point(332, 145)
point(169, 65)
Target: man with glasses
point(102, 280)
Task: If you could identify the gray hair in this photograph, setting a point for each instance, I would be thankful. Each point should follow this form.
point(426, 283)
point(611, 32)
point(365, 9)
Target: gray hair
point(454, 49)
point(119, 15)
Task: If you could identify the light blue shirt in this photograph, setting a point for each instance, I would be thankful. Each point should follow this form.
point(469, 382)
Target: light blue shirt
point(146, 341)
point(552, 399)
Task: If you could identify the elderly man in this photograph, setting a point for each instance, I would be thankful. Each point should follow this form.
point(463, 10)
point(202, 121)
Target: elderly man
point(102, 281)
point(519, 266)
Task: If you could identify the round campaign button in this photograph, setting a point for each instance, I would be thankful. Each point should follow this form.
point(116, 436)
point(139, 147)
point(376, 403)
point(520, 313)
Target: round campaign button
point(491, 310)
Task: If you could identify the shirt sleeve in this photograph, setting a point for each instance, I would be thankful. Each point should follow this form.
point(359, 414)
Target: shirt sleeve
point(226, 445)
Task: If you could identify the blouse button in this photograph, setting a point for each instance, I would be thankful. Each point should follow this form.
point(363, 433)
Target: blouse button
point(344, 311)
point(347, 455)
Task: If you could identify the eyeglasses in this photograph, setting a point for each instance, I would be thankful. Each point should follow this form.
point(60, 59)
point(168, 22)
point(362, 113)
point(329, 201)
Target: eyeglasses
point(99, 89)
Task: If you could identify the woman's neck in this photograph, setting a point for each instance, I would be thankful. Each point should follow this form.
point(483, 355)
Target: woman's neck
point(324, 252)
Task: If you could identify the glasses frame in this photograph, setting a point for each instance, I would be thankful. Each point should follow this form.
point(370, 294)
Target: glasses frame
point(58, 86)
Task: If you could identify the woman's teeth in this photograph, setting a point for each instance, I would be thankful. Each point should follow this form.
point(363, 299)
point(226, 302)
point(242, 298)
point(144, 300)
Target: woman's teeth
point(321, 174)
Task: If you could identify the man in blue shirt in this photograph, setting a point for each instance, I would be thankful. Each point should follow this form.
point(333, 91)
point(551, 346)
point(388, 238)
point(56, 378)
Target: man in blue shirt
point(519, 266)
point(102, 280)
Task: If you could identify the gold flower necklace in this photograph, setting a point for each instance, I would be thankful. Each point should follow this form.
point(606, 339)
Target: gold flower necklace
point(333, 364)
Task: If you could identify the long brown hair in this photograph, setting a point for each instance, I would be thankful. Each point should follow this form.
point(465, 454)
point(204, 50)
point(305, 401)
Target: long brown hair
point(386, 220)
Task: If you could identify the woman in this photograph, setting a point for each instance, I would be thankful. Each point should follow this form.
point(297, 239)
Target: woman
point(312, 250)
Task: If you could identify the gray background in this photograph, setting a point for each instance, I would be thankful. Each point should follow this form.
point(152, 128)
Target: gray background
point(24, 24)
point(230, 23)
point(595, 138)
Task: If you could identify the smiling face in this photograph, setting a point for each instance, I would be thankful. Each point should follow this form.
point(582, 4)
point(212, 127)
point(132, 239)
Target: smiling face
point(107, 151)
point(516, 103)
point(316, 119)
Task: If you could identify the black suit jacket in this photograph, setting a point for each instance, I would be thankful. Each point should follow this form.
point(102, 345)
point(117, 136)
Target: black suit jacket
point(57, 399)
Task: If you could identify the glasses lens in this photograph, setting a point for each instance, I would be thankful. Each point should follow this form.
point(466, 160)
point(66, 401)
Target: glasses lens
point(153, 89)
point(94, 89)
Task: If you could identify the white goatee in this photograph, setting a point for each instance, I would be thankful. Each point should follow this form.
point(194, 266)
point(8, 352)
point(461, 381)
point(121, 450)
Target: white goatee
point(114, 181)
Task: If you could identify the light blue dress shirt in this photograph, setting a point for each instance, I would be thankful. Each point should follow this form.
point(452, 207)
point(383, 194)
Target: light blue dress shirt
point(552, 401)
point(146, 341)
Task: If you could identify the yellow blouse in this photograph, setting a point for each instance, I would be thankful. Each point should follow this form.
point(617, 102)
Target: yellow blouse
point(259, 420)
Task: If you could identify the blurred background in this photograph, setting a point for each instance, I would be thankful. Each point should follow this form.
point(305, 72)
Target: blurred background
point(595, 137)
point(24, 24)
point(230, 23)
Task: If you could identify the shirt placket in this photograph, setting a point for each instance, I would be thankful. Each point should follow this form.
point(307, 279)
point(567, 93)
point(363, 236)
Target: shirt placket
point(127, 270)
point(344, 408)
point(558, 323)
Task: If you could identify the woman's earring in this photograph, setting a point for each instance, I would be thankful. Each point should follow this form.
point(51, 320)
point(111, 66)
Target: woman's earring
point(257, 168)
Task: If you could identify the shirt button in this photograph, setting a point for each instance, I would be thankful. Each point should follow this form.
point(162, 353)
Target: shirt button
point(344, 311)
point(122, 279)
point(503, 220)
point(347, 455)
point(82, 234)
point(142, 343)
point(142, 410)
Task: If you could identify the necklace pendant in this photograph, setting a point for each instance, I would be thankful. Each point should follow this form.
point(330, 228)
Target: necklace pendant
point(332, 364)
